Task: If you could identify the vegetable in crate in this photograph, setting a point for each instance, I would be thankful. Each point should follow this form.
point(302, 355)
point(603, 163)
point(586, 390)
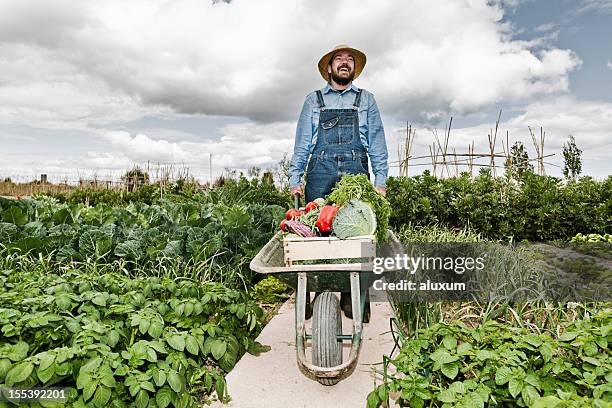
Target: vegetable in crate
point(325, 218)
point(319, 202)
point(292, 214)
point(299, 228)
point(353, 219)
point(358, 187)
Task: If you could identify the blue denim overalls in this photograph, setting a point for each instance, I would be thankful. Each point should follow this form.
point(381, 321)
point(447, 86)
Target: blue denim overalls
point(338, 149)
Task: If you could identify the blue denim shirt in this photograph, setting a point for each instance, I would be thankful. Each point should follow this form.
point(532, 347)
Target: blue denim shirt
point(370, 129)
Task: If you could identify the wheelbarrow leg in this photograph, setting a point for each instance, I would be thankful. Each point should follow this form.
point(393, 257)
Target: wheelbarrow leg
point(300, 304)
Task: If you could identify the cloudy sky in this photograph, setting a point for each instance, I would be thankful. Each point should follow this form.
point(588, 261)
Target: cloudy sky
point(94, 87)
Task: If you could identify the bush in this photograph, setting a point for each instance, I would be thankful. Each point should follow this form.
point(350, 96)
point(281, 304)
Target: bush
point(537, 208)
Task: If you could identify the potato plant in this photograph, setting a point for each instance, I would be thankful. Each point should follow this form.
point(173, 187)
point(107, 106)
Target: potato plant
point(119, 341)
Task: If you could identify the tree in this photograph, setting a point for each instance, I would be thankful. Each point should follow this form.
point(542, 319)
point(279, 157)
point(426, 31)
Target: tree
point(282, 170)
point(572, 158)
point(518, 161)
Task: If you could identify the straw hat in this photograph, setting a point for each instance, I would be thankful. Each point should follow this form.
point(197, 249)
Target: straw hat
point(360, 60)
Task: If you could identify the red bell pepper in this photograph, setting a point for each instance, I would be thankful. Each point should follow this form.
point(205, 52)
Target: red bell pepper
point(283, 225)
point(326, 216)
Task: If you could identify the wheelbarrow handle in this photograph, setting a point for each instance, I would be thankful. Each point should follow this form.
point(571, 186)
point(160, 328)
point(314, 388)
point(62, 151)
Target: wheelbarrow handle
point(296, 201)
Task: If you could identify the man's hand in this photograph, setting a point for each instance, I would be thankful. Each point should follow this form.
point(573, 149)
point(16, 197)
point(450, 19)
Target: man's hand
point(297, 190)
point(382, 190)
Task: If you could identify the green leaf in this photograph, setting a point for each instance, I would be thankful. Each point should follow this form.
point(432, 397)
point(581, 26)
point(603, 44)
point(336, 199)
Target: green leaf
point(450, 370)
point(113, 338)
point(46, 374)
point(175, 380)
point(192, 345)
point(485, 355)
point(108, 380)
point(18, 351)
point(151, 355)
point(515, 386)
point(220, 387)
point(102, 396)
point(568, 336)
point(163, 397)
point(450, 342)
point(257, 348)
point(14, 215)
point(5, 366)
point(549, 401)
point(472, 400)
point(156, 328)
point(373, 401)
point(457, 387)
point(383, 393)
point(591, 360)
point(63, 216)
point(64, 302)
point(188, 309)
point(142, 399)
point(546, 351)
point(100, 299)
point(503, 375)
point(446, 396)
point(143, 326)
point(45, 359)
point(227, 361)
point(18, 373)
point(417, 402)
point(464, 348)
point(218, 348)
point(529, 394)
point(590, 348)
point(82, 379)
point(159, 377)
point(443, 357)
point(177, 342)
point(89, 389)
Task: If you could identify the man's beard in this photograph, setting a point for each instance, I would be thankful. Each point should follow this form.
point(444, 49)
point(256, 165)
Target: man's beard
point(342, 80)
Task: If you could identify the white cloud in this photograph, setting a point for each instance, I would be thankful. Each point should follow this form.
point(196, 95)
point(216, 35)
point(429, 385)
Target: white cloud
point(609, 65)
point(601, 6)
point(545, 27)
point(109, 61)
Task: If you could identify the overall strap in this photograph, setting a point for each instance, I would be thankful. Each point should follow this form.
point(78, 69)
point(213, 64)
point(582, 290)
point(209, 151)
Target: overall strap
point(320, 100)
point(357, 100)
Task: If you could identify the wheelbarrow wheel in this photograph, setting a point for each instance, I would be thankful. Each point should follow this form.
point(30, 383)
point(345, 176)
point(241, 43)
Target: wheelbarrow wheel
point(326, 324)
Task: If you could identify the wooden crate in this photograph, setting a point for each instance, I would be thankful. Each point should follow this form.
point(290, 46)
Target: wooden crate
point(326, 248)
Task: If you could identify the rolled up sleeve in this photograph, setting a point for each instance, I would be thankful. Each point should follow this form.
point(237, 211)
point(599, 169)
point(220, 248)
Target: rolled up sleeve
point(301, 149)
point(377, 145)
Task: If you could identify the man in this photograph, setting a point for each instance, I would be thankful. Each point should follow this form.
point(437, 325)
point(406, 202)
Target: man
point(339, 127)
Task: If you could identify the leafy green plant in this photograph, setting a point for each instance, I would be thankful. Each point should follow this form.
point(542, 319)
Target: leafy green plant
point(452, 365)
point(358, 187)
point(270, 290)
point(534, 207)
point(116, 339)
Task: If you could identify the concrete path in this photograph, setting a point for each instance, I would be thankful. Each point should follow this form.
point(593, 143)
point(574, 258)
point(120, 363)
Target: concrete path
point(274, 380)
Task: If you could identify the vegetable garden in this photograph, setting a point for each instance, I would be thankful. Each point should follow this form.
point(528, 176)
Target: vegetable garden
point(147, 299)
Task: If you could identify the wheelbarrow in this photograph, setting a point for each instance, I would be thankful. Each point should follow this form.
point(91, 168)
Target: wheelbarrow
point(281, 257)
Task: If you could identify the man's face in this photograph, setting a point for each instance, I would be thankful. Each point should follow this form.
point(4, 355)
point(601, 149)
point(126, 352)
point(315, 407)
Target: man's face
point(342, 68)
